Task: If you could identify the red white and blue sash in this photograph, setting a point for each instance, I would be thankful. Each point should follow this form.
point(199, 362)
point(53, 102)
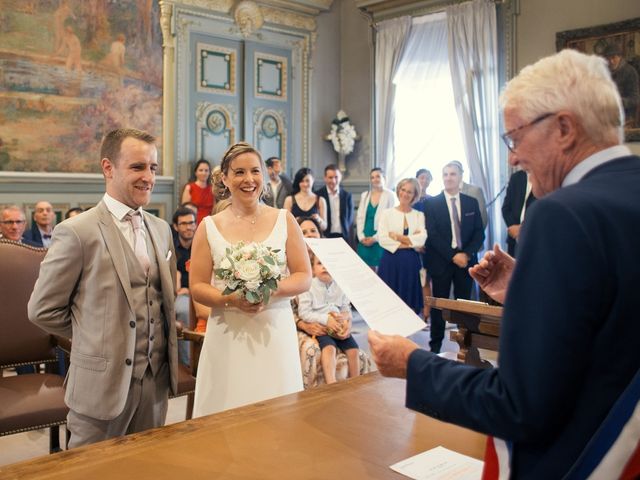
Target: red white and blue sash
point(612, 453)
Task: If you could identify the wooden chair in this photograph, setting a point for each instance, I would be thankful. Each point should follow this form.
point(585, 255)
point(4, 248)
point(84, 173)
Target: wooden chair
point(36, 400)
point(187, 375)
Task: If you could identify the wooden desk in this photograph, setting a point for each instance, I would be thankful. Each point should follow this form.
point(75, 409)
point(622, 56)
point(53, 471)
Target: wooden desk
point(350, 430)
point(478, 327)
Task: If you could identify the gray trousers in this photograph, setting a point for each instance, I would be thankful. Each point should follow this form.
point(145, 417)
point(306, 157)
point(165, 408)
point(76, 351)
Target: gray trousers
point(145, 408)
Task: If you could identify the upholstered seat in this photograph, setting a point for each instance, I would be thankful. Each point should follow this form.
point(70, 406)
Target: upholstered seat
point(33, 399)
point(30, 401)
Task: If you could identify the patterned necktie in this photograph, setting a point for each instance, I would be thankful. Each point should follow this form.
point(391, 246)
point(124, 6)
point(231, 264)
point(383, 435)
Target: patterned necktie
point(456, 222)
point(139, 242)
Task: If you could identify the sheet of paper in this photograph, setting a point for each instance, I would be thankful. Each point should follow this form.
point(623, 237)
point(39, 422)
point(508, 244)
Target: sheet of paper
point(440, 464)
point(379, 306)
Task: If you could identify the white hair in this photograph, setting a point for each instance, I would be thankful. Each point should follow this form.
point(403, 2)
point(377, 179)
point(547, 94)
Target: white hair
point(573, 81)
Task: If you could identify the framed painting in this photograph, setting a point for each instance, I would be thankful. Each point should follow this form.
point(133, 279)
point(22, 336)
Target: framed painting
point(71, 71)
point(619, 44)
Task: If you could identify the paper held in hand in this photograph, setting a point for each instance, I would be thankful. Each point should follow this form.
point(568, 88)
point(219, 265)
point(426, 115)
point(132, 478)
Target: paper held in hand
point(378, 305)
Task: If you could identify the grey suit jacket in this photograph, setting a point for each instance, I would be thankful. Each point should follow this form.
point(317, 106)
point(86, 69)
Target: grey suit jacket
point(84, 292)
point(283, 192)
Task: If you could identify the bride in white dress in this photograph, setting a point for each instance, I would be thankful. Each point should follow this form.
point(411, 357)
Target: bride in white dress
point(250, 352)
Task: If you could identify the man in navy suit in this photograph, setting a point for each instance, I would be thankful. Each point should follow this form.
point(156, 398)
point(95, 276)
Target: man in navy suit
point(568, 339)
point(43, 216)
point(339, 204)
point(517, 200)
point(455, 234)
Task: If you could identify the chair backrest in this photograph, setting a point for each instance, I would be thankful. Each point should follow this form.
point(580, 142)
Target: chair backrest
point(20, 340)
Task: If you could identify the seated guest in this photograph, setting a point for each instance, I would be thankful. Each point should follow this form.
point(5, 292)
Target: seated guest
point(310, 354)
point(303, 202)
point(44, 217)
point(402, 233)
point(327, 305)
point(72, 212)
point(310, 228)
point(184, 223)
point(13, 225)
point(372, 203)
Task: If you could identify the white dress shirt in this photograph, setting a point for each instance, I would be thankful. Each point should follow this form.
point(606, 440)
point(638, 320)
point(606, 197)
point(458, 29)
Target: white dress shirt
point(334, 205)
point(119, 212)
point(321, 299)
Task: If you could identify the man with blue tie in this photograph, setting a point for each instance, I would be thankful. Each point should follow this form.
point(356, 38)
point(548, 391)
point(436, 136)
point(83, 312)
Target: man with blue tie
point(455, 234)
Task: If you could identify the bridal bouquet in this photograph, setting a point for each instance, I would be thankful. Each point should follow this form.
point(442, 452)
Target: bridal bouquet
point(251, 268)
point(343, 134)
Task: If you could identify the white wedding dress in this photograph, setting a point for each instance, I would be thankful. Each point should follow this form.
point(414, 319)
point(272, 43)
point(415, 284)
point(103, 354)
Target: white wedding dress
point(247, 358)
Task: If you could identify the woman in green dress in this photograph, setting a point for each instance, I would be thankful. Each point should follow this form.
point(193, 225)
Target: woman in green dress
point(372, 202)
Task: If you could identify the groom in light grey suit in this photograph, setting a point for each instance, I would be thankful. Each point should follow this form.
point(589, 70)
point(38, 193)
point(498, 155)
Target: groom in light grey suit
point(108, 282)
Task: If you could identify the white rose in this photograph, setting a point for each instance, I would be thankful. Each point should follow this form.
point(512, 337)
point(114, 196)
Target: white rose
point(248, 271)
point(252, 285)
point(274, 270)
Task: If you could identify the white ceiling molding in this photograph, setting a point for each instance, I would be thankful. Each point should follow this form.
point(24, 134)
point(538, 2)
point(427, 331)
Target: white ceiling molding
point(300, 14)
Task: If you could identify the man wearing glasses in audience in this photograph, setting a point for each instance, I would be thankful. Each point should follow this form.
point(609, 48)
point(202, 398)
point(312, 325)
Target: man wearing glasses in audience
point(13, 224)
point(184, 223)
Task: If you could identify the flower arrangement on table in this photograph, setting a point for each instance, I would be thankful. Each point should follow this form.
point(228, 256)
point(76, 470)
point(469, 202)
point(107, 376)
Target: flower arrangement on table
point(343, 134)
point(252, 269)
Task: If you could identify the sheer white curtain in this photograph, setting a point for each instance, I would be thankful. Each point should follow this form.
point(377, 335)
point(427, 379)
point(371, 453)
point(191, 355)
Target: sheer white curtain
point(390, 40)
point(473, 57)
point(427, 133)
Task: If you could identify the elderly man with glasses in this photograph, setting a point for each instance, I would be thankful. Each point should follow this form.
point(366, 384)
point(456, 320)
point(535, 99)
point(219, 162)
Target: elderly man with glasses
point(568, 345)
point(13, 224)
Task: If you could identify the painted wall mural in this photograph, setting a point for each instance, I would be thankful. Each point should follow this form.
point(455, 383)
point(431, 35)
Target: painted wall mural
point(70, 71)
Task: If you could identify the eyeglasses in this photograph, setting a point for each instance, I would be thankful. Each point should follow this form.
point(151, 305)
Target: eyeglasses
point(186, 224)
point(13, 222)
point(507, 137)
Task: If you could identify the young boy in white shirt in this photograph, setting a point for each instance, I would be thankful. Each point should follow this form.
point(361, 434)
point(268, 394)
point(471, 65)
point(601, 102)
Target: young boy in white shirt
point(327, 305)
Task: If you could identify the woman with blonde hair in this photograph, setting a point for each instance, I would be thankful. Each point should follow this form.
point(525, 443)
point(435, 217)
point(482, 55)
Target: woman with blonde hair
point(401, 234)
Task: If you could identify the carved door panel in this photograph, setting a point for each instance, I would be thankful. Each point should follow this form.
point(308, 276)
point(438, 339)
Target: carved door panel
point(268, 100)
point(218, 86)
